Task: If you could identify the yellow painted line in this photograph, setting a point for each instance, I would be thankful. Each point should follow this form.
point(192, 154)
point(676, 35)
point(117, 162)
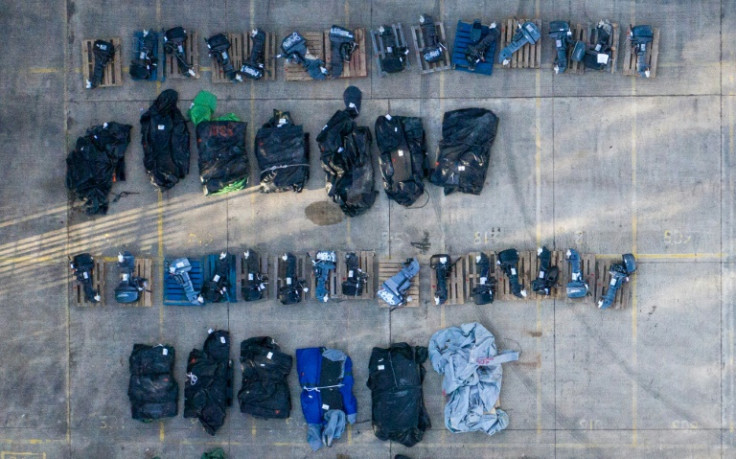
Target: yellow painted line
point(205, 69)
point(667, 256)
point(634, 235)
point(25, 258)
point(31, 441)
point(161, 434)
point(253, 429)
point(350, 434)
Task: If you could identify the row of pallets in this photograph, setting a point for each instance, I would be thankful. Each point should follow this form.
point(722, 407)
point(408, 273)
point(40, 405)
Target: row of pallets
point(462, 279)
point(318, 43)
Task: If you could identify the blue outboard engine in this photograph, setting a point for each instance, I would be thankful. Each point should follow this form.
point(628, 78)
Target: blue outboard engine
point(508, 260)
point(528, 33)
point(323, 263)
point(179, 270)
point(548, 275)
point(394, 289)
point(483, 291)
point(130, 287)
point(83, 266)
point(433, 48)
point(641, 37)
point(560, 32)
point(620, 273)
point(291, 291)
point(577, 287)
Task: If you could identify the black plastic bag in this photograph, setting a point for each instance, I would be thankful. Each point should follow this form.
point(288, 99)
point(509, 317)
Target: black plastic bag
point(395, 380)
point(265, 390)
point(208, 390)
point(282, 153)
point(165, 139)
point(223, 160)
point(98, 159)
point(346, 159)
point(403, 158)
point(465, 150)
point(152, 390)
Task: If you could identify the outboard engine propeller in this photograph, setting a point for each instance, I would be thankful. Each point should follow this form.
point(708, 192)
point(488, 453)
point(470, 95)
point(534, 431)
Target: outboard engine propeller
point(477, 52)
point(253, 68)
point(174, 44)
point(560, 32)
point(441, 264)
point(620, 273)
point(255, 284)
point(142, 67)
point(179, 270)
point(294, 48)
point(342, 46)
point(641, 36)
point(103, 52)
point(291, 292)
point(323, 263)
point(355, 282)
point(130, 286)
point(219, 48)
point(483, 291)
point(215, 290)
point(577, 287)
point(83, 266)
point(548, 275)
point(509, 261)
point(433, 48)
point(394, 289)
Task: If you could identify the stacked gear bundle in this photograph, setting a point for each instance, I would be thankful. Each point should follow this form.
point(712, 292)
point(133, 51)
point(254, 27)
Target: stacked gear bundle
point(324, 262)
point(265, 390)
point(403, 157)
point(291, 291)
point(130, 287)
point(254, 67)
point(395, 380)
point(294, 48)
point(223, 159)
point(98, 159)
point(145, 56)
point(346, 158)
point(165, 139)
point(219, 49)
point(208, 390)
point(174, 40)
point(395, 57)
point(282, 152)
point(103, 52)
point(254, 285)
point(465, 150)
point(83, 266)
point(152, 390)
point(471, 365)
point(342, 46)
point(326, 379)
point(215, 290)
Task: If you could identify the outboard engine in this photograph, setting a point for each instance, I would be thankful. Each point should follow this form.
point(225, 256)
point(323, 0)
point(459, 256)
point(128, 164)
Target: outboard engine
point(179, 270)
point(433, 48)
point(145, 62)
point(441, 264)
point(483, 291)
point(527, 33)
point(83, 266)
point(174, 44)
point(215, 290)
point(253, 68)
point(477, 52)
point(560, 32)
point(294, 48)
point(548, 275)
point(342, 46)
point(393, 289)
point(255, 284)
point(219, 49)
point(323, 263)
point(103, 52)
point(395, 59)
point(291, 292)
point(577, 287)
point(620, 273)
point(641, 36)
point(130, 287)
point(355, 282)
point(509, 261)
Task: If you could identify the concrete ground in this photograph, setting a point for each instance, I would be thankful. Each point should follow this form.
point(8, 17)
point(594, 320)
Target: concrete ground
point(604, 163)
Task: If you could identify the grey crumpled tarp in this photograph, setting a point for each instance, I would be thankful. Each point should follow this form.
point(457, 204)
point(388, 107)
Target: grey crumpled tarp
point(471, 365)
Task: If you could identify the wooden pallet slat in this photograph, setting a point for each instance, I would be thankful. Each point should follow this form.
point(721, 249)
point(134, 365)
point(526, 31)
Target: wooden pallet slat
point(242, 273)
point(98, 283)
point(651, 56)
point(389, 268)
point(191, 50)
point(113, 74)
point(236, 52)
point(444, 62)
point(269, 71)
point(366, 261)
point(456, 291)
point(529, 56)
point(603, 279)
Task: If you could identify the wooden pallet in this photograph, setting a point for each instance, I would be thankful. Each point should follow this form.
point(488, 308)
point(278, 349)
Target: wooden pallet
point(379, 49)
point(652, 54)
point(171, 68)
point(303, 272)
point(442, 64)
point(587, 269)
point(529, 56)
point(237, 49)
point(243, 275)
point(603, 279)
point(456, 292)
point(366, 261)
point(269, 57)
point(113, 74)
point(98, 276)
point(318, 44)
point(389, 268)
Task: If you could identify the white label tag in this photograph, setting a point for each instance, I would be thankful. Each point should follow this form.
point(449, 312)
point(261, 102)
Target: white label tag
point(461, 168)
point(288, 281)
point(388, 117)
point(161, 127)
point(541, 274)
point(325, 407)
point(602, 59)
point(166, 351)
point(269, 355)
point(613, 282)
point(222, 340)
point(350, 273)
point(250, 276)
point(216, 278)
point(401, 153)
point(513, 271)
point(85, 275)
point(381, 367)
point(483, 280)
point(558, 43)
